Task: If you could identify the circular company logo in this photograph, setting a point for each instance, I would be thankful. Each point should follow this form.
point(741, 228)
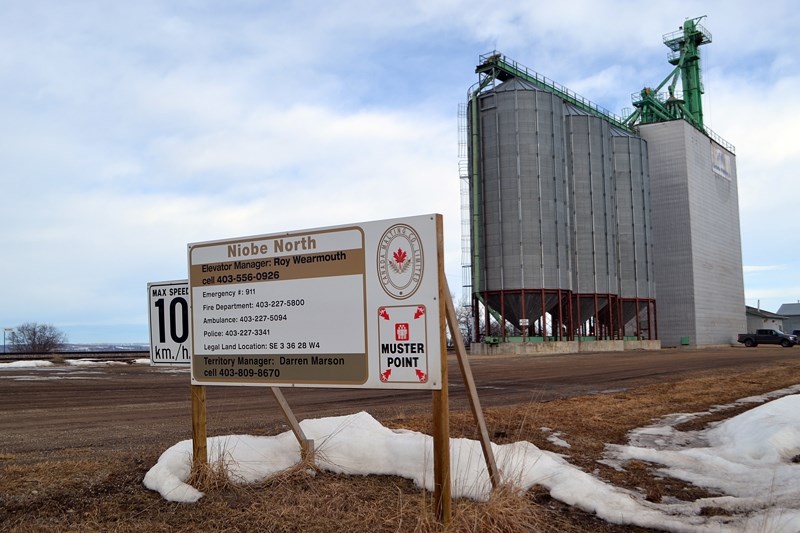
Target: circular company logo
point(400, 261)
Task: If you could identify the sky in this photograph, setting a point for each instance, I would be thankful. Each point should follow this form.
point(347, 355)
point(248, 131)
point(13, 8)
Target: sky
point(749, 462)
point(130, 129)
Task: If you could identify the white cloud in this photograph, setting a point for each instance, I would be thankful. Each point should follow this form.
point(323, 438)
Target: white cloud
point(749, 269)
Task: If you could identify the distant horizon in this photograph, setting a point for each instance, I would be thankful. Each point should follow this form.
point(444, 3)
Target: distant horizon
point(94, 346)
point(106, 344)
point(100, 334)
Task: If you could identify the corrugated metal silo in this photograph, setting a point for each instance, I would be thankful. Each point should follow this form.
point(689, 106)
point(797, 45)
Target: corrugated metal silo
point(524, 227)
point(634, 240)
point(589, 165)
point(559, 212)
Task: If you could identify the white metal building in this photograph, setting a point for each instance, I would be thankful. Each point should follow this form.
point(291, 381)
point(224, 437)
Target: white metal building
point(696, 239)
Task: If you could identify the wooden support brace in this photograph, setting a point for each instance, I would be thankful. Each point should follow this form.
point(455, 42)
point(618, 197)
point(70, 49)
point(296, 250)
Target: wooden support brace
point(306, 445)
point(472, 391)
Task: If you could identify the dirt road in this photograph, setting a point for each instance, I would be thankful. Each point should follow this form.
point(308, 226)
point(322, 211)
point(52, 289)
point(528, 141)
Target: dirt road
point(118, 407)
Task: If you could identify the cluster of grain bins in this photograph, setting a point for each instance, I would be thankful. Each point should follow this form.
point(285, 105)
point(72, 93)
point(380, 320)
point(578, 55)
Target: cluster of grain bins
point(583, 229)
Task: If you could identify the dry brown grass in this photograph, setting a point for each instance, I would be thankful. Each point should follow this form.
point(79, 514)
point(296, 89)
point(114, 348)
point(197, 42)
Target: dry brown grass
point(75, 490)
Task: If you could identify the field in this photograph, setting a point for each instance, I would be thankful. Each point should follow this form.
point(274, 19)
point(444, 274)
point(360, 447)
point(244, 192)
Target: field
point(83, 487)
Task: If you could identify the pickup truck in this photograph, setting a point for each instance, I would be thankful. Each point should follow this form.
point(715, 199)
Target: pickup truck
point(767, 336)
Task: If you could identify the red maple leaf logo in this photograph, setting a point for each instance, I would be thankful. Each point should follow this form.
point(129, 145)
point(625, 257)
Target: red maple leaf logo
point(399, 265)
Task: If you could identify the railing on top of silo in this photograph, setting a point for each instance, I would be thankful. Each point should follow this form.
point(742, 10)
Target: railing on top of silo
point(512, 68)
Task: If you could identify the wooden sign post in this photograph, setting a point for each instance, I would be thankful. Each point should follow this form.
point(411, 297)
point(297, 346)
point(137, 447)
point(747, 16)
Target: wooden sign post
point(441, 408)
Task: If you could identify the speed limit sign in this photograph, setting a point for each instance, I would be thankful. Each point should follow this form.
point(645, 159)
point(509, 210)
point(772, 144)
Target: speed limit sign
point(170, 333)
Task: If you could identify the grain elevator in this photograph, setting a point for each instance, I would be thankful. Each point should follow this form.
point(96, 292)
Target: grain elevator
point(586, 231)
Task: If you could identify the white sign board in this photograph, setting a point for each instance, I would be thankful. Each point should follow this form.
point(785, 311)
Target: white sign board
point(344, 306)
point(170, 330)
